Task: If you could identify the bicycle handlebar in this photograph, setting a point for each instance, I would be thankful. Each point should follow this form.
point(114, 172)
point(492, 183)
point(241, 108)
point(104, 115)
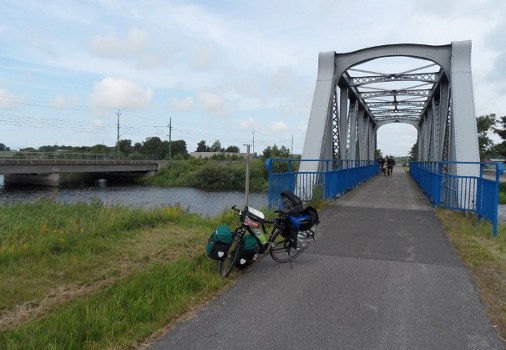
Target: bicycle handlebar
point(239, 212)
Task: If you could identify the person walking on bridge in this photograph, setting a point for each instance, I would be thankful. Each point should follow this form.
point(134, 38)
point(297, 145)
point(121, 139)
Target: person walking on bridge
point(390, 165)
point(381, 162)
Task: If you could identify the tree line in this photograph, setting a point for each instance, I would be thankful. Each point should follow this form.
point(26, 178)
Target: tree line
point(486, 125)
point(152, 147)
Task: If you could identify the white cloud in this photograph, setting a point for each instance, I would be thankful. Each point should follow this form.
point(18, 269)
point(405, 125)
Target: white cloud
point(213, 104)
point(110, 46)
point(7, 99)
point(182, 104)
point(278, 126)
point(120, 93)
point(61, 101)
point(248, 124)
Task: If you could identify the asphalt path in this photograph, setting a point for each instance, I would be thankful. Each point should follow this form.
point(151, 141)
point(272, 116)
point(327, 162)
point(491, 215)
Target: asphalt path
point(381, 275)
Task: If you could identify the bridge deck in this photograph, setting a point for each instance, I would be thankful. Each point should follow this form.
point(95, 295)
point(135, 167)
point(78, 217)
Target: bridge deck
point(381, 275)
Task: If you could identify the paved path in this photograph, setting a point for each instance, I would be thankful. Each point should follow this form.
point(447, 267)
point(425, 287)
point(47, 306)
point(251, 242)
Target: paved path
point(381, 275)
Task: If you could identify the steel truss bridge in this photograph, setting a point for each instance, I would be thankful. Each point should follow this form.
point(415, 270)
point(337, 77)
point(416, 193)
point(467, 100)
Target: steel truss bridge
point(350, 105)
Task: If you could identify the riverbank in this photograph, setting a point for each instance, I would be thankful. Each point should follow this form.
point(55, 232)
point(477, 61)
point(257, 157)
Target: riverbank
point(485, 257)
point(77, 276)
point(211, 174)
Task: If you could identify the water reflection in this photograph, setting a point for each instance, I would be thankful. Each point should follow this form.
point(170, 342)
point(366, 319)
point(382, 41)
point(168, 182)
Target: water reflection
point(208, 203)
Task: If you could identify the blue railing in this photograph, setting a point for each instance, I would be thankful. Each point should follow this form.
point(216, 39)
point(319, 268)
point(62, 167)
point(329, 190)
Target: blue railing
point(333, 178)
point(474, 194)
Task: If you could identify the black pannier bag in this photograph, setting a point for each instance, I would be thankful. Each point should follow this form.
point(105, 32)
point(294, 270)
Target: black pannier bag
point(291, 203)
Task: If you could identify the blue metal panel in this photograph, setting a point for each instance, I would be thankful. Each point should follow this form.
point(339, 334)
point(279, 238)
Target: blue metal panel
point(334, 179)
point(466, 193)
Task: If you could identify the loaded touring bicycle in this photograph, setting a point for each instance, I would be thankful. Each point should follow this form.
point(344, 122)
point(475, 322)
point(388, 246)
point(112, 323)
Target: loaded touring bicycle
point(291, 230)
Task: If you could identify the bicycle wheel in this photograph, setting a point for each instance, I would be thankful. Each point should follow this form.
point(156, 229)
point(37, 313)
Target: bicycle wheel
point(281, 250)
point(226, 265)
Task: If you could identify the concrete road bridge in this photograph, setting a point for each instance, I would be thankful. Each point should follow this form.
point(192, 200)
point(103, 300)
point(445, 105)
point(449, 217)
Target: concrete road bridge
point(45, 168)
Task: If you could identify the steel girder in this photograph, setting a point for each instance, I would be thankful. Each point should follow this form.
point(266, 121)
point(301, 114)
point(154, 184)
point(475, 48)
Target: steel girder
point(347, 112)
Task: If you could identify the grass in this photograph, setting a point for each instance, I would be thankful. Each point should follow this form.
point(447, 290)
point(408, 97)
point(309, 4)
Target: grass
point(87, 276)
point(211, 174)
point(485, 257)
point(502, 193)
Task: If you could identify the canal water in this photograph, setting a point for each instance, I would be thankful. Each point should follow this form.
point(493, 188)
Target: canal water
point(206, 203)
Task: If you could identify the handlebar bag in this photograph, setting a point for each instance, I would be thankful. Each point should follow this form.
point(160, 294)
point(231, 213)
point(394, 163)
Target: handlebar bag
point(219, 243)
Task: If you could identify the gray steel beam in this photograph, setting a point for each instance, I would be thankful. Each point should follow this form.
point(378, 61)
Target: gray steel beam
point(444, 117)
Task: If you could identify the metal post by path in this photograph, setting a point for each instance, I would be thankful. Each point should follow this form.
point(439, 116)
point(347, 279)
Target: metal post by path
point(246, 185)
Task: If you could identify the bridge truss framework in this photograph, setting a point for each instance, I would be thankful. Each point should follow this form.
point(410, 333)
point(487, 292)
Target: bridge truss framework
point(348, 108)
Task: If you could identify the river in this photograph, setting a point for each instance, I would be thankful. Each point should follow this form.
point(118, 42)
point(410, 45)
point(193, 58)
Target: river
point(206, 203)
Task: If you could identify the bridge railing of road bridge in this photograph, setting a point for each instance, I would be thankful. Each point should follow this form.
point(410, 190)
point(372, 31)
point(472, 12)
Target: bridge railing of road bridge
point(333, 178)
point(467, 193)
point(37, 157)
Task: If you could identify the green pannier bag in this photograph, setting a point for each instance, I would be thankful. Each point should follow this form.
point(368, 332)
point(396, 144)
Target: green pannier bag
point(248, 252)
point(219, 242)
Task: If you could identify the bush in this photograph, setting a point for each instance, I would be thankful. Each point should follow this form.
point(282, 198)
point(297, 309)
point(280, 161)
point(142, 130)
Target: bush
point(219, 176)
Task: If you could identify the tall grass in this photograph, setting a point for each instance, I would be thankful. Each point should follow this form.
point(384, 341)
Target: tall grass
point(212, 174)
point(123, 314)
point(51, 228)
point(124, 273)
point(485, 257)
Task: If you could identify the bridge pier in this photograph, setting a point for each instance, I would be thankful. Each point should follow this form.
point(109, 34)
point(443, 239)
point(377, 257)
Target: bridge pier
point(33, 179)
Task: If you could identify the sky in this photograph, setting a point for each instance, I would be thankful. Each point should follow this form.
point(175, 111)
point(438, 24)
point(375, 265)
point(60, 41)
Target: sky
point(241, 72)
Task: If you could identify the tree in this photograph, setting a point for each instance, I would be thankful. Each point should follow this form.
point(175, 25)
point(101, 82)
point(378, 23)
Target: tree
point(484, 123)
point(202, 147)
point(232, 149)
point(4, 147)
point(500, 148)
point(137, 147)
point(378, 154)
point(178, 147)
point(154, 147)
point(276, 152)
point(99, 149)
point(216, 147)
point(413, 153)
point(125, 146)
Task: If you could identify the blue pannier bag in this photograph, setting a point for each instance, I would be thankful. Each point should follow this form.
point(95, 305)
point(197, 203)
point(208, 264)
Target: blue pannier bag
point(219, 243)
point(301, 222)
point(305, 220)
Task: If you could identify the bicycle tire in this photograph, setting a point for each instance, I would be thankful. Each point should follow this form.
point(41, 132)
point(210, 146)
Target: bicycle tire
point(226, 265)
point(282, 251)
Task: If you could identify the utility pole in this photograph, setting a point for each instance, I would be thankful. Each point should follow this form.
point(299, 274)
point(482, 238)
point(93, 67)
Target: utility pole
point(253, 143)
point(292, 148)
point(246, 185)
point(170, 138)
point(117, 135)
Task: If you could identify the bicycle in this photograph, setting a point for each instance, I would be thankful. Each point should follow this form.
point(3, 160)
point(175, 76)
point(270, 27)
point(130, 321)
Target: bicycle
point(285, 242)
